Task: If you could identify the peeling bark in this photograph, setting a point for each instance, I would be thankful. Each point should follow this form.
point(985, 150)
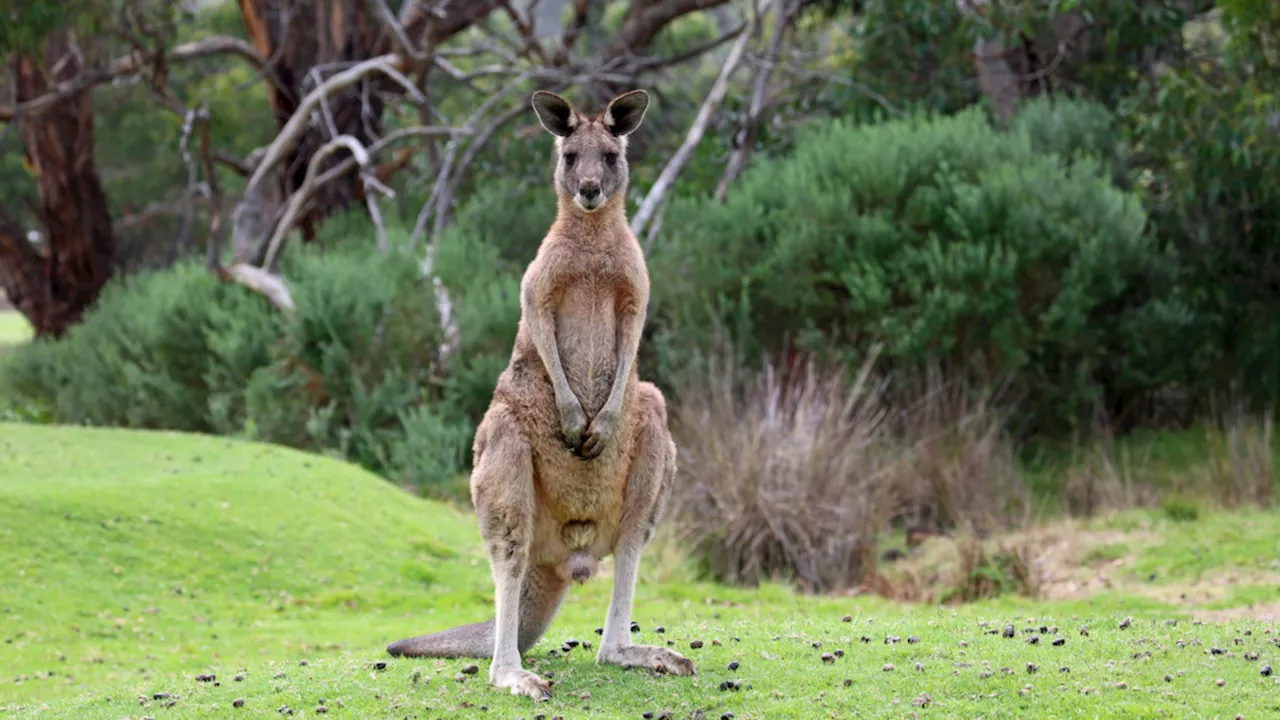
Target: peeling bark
point(54, 286)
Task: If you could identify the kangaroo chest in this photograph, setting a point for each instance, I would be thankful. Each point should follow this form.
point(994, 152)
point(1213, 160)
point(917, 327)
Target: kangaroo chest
point(587, 336)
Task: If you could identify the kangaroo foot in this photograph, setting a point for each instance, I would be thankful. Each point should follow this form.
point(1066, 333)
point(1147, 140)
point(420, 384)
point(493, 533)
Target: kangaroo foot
point(521, 682)
point(654, 658)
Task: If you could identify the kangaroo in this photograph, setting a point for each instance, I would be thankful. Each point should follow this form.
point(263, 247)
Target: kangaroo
point(573, 460)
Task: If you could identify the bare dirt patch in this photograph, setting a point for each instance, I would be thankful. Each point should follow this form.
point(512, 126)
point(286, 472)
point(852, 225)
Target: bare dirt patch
point(1057, 558)
point(1265, 612)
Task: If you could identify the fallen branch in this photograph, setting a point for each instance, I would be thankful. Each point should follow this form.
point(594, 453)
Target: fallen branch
point(699, 128)
point(262, 282)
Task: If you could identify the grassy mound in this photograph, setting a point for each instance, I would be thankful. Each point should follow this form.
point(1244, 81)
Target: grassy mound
point(14, 328)
point(168, 576)
point(133, 554)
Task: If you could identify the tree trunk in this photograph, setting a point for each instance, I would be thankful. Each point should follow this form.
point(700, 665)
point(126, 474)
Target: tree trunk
point(299, 36)
point(53, 286)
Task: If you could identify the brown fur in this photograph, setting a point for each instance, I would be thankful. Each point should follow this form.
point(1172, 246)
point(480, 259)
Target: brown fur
point(573, 459)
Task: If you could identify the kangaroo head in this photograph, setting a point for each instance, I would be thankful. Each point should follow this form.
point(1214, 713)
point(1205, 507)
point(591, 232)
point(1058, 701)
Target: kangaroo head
point(591, 153)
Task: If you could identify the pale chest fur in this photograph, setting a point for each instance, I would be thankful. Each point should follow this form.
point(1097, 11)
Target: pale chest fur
point(594, 283)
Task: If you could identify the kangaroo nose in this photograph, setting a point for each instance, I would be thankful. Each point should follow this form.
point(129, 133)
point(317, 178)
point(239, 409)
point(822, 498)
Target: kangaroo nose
point(589, 190)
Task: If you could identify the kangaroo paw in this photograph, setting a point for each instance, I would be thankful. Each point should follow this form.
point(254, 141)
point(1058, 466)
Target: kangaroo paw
point(521, 682)
point(655, 658)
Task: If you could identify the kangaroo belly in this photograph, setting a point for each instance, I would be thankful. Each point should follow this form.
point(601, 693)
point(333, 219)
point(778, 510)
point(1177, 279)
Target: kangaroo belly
point(586, 333)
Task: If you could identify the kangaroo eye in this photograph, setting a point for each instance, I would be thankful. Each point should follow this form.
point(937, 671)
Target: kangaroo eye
point(569, 158)
point(611, 159)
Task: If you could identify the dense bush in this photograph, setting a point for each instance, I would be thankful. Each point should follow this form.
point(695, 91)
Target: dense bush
point(352, 371)
point(943, 240)
point(1211, 151)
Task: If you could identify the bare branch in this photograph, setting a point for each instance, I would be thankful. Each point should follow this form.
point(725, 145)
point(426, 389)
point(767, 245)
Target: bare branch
point(397, 31)
point(451, 153)
point(241, 167)
point(646, 18)
point(699, 127)
point(642, 65)
point(303, 194)
point(880, 100)
point(390, 139)
point(129, 65)
point(297, 124)
point(444, 212)
point(746, 137)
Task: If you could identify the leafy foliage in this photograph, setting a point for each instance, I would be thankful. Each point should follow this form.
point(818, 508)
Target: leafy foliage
point(349, 373)
point(1211, 157)
point(940, 239)
point(921, 52)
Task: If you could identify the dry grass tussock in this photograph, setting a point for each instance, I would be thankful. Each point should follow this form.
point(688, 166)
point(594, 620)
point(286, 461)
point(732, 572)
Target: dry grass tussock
point(1243, 472)
point(1101, 479)
point(781, 476)
point(1236, 468)
point(793, 473)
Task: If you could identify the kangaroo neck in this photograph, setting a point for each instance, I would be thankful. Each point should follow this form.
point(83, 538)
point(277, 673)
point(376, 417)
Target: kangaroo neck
point(581, 225)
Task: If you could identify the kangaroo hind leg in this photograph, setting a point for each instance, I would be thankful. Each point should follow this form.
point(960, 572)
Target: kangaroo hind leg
point(649, 483)
point(502, 491)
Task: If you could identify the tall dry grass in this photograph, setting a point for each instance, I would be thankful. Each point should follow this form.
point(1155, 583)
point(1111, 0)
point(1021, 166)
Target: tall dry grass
point(1244, 471)
point(781, 474)
point(958, 463)
point(792, 473)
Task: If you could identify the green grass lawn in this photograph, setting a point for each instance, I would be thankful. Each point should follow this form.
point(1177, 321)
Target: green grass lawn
point(134, 562)
point(14, 329)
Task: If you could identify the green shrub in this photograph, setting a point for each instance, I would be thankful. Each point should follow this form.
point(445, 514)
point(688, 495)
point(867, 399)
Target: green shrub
point(944, 241)
point(1073, 129)
point(1180, 509)
point(480, 258)
point(352, 372)
point(141, 355)
point(1212, 159)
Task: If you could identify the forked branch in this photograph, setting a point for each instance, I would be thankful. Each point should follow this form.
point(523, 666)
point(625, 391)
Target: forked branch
point(649, 206)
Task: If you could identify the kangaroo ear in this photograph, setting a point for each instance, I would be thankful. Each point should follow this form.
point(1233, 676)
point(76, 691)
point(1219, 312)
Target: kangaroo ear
point(555, 113)
point(626, 112)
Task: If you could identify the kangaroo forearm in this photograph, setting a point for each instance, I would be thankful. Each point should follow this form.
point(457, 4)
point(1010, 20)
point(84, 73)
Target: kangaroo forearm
point(542, 331)
point(628, 345)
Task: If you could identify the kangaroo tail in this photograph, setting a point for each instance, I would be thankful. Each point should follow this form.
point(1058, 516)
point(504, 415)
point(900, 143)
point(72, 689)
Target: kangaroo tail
point(466, 641)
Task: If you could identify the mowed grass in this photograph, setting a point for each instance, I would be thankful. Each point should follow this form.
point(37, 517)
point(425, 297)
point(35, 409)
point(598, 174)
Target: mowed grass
point(14, 328)
point(135, 562)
